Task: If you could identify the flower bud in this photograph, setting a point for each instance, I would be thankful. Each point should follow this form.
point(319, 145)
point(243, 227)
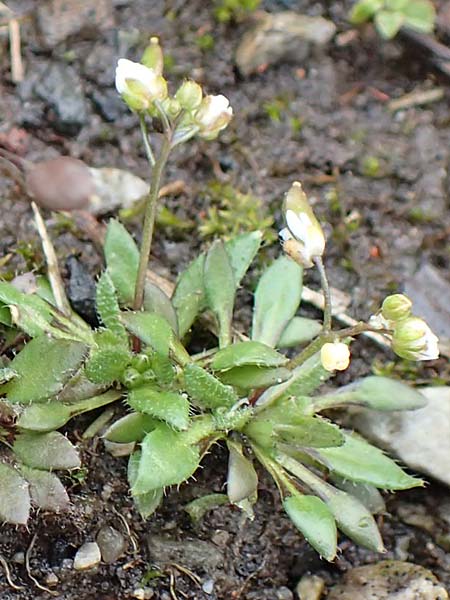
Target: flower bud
point(414, 340)
point(189, 95)
point(303, 225)
point(396, 307)
point(153, 56)
point(213, 115)
point(335, 356)
point(138, 85)
point(292, 247)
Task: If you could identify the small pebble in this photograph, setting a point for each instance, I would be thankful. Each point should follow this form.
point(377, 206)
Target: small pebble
point(51, 579)
point(112, 544)
point(143, 593)
point(87, 557)
point(208, 586)
point(19, 558)
point(284, 593)
point(310, 587)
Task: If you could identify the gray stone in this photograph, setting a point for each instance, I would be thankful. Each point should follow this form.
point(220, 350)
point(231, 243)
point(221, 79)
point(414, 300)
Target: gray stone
point(61, 89)
point(284, 36)
point(419, 438)
point(87, 556)
point(59, 19)
point(112, 544)
point(194, 554)
point(389, 580)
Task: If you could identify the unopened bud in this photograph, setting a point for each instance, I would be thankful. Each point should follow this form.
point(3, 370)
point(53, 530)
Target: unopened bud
point(302, 224)
point(335, 356)
point(189, 95)
point(153, 57)
point(139, 85)
point(213, 115)
point(396, 307)
point(414, 340)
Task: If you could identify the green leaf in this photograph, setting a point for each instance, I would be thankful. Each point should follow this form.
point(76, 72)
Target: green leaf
point(122, 260)
point(367, 494)
point(205, 390)
point(167, 406)
point(46, 490)
point(14, 496)
point(28, 312)
point(163, 369)
point(220, 289)
point(360, 461)
point(247, 353)
point(242, 480)
point(156, 301)
point(312, 432)
point(354, 519)
point(241, 251)
point(166, 459)
point(420, 15)
point(396, 5)
point(43, 366)
point(130, 428)
point(108, 306)
point(298, 331)
point(108, 359)
point(314, 520)
point(200, 506)
point(147, 503)
point(151, 328)
point(251, 376)
point(388, 23)
point(382, 393)
point(364, 10)
point(46, 451)
point(277, 298)
point(189, 296)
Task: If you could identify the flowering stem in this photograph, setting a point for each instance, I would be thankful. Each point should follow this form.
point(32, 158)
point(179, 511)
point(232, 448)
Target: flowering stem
point(326, 294)
point(149, 221)
point(147, 146)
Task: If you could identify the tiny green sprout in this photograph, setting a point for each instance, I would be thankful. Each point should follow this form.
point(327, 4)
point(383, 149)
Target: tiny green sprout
point(390, 15)
point(234, 10)
point(165, 408)
point(370, 166)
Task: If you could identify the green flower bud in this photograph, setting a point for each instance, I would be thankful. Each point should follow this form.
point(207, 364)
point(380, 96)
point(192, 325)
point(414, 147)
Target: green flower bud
point(189, 95)
point(153, 57)
point(396, 307)
point(414, 340)
point(132, 378)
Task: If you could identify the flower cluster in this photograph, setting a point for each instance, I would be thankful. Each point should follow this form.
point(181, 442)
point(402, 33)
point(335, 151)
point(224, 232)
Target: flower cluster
point(411, 337)
point(144, 89)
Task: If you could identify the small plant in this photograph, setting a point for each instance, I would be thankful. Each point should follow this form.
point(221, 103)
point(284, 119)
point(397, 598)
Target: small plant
point(390, 15)
point(234, 10)
point(244, 390)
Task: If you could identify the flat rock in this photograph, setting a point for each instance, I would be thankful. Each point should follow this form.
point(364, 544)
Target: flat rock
point(59, 19)
point(419, 438)
point(194, 554)
point(283, 36)
point(87, 556)
point(61, 89)
point(389, 580)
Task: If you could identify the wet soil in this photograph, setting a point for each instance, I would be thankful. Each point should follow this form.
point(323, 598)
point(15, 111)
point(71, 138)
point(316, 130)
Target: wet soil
point(332, 122)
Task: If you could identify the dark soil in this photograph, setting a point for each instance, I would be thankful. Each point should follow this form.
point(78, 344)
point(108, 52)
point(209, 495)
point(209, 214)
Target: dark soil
point(382, 228)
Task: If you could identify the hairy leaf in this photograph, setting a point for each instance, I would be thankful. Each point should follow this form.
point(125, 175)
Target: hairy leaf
point(277, 298)
point(220, 289)
point(165, 460)
point(47, 491)
point(167, 406)
point(241, 251)
point(107, 305)
point(247, 353)
point(312, 432)
point(108, 359)
point(364, 10)
point(46, 451)
point(314, 520)
point(43, 366)
point(388, 23)
point(14, 496)
point(147, 503)
point(420, 15)
point(151, 328)
point(359, 461)
point(381, 393)
point(157, 301)
point(189, 297)
point(251, 376)
point(205, 390)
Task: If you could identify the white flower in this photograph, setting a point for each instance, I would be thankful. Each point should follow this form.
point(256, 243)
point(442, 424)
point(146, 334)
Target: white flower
point(139, 85)
point(303, 225)
point(213, 115)
point(414, 340)
point(335, 356)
